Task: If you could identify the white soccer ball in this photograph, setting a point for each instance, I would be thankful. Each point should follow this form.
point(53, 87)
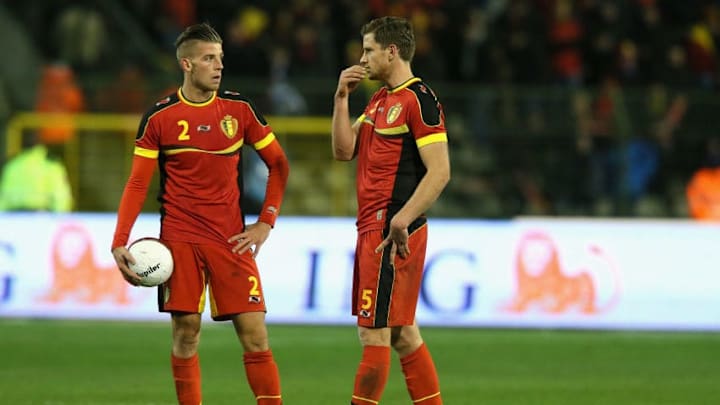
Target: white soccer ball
point(153, 261)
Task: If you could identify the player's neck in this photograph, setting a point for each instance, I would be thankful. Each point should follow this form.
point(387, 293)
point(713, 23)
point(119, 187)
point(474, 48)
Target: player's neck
point(195, 95)
point(399, 76)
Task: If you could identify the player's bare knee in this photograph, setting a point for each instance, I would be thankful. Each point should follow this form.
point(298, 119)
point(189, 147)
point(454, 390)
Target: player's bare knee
point(406, 339)
point(374, 336)
point(255, 340)
point(186, 334)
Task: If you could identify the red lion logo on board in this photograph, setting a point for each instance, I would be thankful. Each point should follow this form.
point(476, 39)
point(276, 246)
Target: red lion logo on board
point(543, 285)
point(76, 275)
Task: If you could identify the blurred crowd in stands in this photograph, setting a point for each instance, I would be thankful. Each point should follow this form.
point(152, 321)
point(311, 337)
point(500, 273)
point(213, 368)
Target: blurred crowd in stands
point(555, 107)
point(570, 42)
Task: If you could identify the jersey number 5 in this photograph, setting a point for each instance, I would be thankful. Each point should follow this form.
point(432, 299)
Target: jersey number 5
point(366, 298)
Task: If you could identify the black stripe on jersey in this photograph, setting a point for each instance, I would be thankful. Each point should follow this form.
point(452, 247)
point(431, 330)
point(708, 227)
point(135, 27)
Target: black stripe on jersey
point(233, 95)
point(162, 160)
point(429, 104)
point(409, 172)
point(157, 107)
point(240, 181)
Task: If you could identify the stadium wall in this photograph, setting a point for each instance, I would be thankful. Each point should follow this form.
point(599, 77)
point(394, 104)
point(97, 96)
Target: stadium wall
point(524, 273)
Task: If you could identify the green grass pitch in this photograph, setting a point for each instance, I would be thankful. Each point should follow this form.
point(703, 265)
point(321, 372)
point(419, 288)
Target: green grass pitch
point(50, 362)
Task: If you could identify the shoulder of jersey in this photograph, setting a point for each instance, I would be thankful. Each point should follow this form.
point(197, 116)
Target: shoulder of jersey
point(232, 95)
point(422, 91)
point(429, 104)
point(164, 102)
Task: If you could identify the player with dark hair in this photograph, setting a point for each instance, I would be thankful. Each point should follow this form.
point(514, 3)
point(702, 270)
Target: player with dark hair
point(403, 165)
point(195, 136)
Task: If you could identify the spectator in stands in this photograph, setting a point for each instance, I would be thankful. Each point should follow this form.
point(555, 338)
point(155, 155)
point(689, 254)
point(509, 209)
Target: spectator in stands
point(33, 181)
point(247, 43)
point(80, 35)
point(565, 36)
point(703, 190)
point(59, 93)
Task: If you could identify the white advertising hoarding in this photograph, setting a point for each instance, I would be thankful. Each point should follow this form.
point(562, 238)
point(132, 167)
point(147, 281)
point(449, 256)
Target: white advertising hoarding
point(554, 273)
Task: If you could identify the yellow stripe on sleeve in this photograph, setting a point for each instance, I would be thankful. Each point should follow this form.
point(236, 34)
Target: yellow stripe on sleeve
point(148, 153)
point(432, 138)
point(361, 118)
point(264, 142)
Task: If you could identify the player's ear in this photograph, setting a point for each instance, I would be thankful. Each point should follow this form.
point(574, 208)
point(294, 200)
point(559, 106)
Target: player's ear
point(185, 64)
point(393, 52)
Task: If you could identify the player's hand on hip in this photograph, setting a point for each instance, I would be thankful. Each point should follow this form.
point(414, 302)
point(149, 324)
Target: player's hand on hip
point(252, 239)
point(398, 240)
point(123, 258)
point(349, 79)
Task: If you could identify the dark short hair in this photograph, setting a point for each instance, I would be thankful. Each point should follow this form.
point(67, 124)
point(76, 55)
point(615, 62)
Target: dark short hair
point(393, 30)
point(198, 32)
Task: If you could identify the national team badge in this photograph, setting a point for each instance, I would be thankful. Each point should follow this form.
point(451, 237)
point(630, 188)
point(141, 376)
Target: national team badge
point(393, 113)
point(229, 126)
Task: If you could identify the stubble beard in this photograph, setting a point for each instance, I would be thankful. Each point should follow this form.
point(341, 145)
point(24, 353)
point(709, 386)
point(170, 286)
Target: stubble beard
point(203, 87)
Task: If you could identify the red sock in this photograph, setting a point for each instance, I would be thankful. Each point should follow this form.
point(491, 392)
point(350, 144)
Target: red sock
point(372, 375)
point(421, 377)
point(186, 373)
point(263, 377)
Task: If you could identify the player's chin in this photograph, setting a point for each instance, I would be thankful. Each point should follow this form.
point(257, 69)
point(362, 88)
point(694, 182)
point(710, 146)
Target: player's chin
point(213, 84)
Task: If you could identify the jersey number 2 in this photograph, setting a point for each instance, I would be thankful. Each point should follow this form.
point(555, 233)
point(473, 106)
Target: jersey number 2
point(184, 134)
point(254, 289)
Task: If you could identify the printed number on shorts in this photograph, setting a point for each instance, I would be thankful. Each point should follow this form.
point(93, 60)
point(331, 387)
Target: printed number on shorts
point(254, 289)
point(366, 298)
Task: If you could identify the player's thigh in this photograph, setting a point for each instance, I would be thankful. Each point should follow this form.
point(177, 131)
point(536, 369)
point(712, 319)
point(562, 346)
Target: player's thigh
point(366, 274)
point(234, 280)
point(184, 291)
point(408, 279)
point(385, 293)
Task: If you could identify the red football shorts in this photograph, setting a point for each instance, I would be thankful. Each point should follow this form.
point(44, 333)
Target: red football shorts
point(234, 281)
point(385, 295)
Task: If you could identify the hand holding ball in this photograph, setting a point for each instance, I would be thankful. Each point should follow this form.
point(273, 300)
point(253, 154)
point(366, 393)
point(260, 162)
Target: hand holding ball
point(153, 261)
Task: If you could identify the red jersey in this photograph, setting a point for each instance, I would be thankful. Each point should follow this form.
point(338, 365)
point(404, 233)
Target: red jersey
point(197, 147)
point(395, 124)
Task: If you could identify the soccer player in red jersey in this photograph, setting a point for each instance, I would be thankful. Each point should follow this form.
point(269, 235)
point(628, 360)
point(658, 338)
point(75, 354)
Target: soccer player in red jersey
point(402, 167)
point(195, 137)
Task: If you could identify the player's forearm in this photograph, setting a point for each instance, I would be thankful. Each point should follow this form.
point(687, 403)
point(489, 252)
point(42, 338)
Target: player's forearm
point(278, 172)
point(343, 136)
point(133, 198)
point(130, 206)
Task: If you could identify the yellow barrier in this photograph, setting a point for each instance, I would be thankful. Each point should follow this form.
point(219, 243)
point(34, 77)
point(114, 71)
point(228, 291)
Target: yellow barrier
point(127, 124)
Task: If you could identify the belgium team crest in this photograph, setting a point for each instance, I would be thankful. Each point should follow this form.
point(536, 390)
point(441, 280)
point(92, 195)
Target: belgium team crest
point(229, 126)
point(394, 113)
